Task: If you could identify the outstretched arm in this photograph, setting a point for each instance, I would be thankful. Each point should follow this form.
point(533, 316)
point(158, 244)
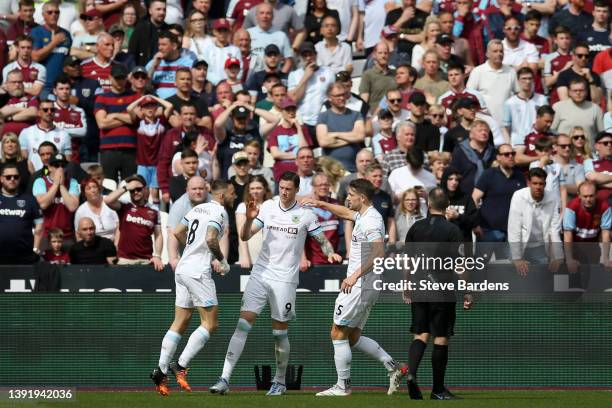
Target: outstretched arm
point(339, 210)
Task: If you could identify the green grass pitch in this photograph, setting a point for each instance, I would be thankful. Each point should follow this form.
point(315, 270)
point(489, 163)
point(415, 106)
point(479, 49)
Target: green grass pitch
point(306, 399)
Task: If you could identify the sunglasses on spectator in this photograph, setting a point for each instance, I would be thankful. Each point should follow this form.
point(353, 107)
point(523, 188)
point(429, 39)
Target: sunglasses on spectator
point(564, 146)
point(11, 176)
point(514, 27)
point(582, 56)
point(139, 76)
point(47, 109)
point(87, 18)
point(579, 137)
point(136, 190)
point(607, 143)
point(395, 100)
point(508, 154)
point(197, 20)
point(52, 12)
point(438, 115)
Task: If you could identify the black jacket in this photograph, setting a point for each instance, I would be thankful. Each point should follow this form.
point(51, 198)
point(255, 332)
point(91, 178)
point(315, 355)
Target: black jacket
point(463, 203)
point(143, 43)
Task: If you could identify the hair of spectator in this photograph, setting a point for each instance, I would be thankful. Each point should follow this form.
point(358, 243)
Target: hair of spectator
point(545, 110)
point(178, 28)
point(562, 30)
point(23, 37)
point(586, 183)
point(61, 79)
point(412, 72)
point(533, 15)
point(278, 85)
point(218, 185)
point(95, 169)
point(402, 207)
point(435, 156)
point(335, 85)
point(512, 17)
point(51, 3)
point(157, 1)
point(12, 137)
point(436, 108)
point(138, 178)
point(372, 167)
point(186, 153)
point(184, 70)
point(170, 36)
point(8, 166)
point(523, 71)
point(498, 149)
point(16, 71)
point(187, 105)
point(438, 199)
point(406, 123)
point(84, 220)
point(103, 36)
point(454, 66)
point(56, 233)
point(301, 149)
point(580, 44)
point(87, 181)
point(543, 143)
point(575, 81)
point(381, 44)
point(601, 3)
point(415, 158)
point(494, 42)
point(317, 175)
point(431, 52)
point(290, 176)
point(47, 143)
point(44, 100)
point(26, 3)
point(536, 172)
point(190, 138)
point(256, 178)
point(252, 143)
point(480, 123)
point(262, 5)
point(243, 92)
point(364, 187)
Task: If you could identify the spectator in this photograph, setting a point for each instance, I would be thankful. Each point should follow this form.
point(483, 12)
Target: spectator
point(34, 74)
point(285, 19)
point(165, 63)
point(574, 17)
point(23, 24)
point(220, 49)
point(195, 38)
point(558, 61)
point(438, 162)
point(525, 150)
point(340, 131)
point(495, 81)
point(271, 64)
point(258, 191)
point(497, 16)
point(376, 81)
point(393, 98)
point(600, 171)
point(55, 253)
point(203, 146)
point(493, 193)
point(411, 175)
point(432, 82)
point(310, 85)
point(427, 135)
point(305, 169)
point(98, 67)
point(46, 150)
point(91, 248)
point(121, 54)
point(444, 48)
point(129, 18)
point(384, 141)
point(518, 53)
point(21, 225)
point(471, 24)
point(409, 21)
point(94, 208)
point(473, 156)
point(396, 158)
point(12, 154)
point(572, 173)
point(332, 53)
point(189, 169)
point(201, 87)
point(286, 139)
point(329, 222)
point(520, 109)
point(405, 77)
point(578, 111)
point(437, 116)
point(431, 31)
point(353, 101)
point(237, 11)
point(318, 10)
point(598, 35)
point(51, 43)
point(408, 212)
point(117, 133)
point(462, 210)
point(533, 23)
point(460, 45)
point(58, 197)
point(602, 65)
point(534, 226)
point(197, 193)
point(362, 160)
point(20, 109)
point(263, 34)
point(232, 73)
point(185, 95)
point(457, 91)
point(44, 130)
point(253, 151)
point(139, 80)
point(137, 222)
point(579, 70)
point(144, 41)
point(85, 45)
point(69, 117)
point(250, 62)
point(465, 111)
point(582, 151)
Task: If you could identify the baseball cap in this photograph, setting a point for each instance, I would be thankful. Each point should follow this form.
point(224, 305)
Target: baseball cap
point(139, 70)
point(71, 60)
point(240, 112)
point(307, 46)
point(91, 13)
point(220, 24)
point(116, 28)
point(467, 102)
point(148, 100)
point(239, 157)
point(119, 71)
point(417, 98)
point(58, 159)
point(385, 114)
point(602, 135)
point(287, 102)
point(272, 49)
point(199, 62)
point(231, 61)
point(444, 39)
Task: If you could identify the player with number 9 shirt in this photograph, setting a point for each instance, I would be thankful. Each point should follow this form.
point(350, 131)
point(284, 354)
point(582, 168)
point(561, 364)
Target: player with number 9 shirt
point(200, 231)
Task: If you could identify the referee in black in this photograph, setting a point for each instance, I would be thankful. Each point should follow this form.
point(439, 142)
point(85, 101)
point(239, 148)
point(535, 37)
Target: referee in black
point(433, 316)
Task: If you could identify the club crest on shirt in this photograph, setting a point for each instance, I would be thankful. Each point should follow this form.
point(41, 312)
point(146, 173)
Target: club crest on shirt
point(86, 92)
point(21, 203)
point(295, 219)
point(56, 139)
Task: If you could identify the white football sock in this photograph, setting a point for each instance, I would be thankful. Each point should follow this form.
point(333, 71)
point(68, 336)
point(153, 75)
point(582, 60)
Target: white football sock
point(342, 358)
point(372, 348)
point(282, 349)
point(169, 344)
point(196, 342)
point(234, 350)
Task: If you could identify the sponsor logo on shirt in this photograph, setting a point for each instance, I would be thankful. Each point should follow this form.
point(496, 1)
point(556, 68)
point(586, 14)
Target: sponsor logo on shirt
point(139, 220)
point(13, 213)
point(288, 230)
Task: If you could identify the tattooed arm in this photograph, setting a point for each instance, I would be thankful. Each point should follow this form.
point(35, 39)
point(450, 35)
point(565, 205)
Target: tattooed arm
point(327, 248)
point(212, 240)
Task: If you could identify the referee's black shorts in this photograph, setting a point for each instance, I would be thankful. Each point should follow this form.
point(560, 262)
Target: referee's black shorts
point(436, 318)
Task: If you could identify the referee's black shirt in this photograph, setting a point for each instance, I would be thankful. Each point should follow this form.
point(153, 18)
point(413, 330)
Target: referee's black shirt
point(434, 228)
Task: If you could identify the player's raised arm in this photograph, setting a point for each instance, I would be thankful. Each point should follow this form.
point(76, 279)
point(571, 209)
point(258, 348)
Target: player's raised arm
point(252, 225)
point(339, 210)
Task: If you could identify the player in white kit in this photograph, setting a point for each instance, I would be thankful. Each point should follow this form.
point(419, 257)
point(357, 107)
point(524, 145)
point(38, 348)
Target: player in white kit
point(200, 232)
point(353, 305)
point(275, 274)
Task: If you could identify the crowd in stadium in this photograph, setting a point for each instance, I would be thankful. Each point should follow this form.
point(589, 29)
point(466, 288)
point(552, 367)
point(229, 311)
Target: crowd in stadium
point(117, 114)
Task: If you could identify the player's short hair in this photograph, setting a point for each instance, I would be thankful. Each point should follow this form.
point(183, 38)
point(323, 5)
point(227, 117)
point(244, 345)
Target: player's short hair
point(62, 79)
point(168, 35)
point(218, 185)
point(363, 186)
point(56, 233)
point(438, 199)
point(533, 15)
point(372, 167)
point(523, 71)
point(545, 110)
point(290, 176)
point(47, 143)
point(536, 172)
point(186, 153)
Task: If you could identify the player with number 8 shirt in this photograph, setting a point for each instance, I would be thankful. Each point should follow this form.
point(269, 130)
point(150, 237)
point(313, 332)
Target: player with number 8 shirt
point(274, 277)
point(201, 231)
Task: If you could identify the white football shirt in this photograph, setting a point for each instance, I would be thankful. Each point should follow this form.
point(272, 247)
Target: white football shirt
point(196, 257)
point(284, 234)
point(369, 227)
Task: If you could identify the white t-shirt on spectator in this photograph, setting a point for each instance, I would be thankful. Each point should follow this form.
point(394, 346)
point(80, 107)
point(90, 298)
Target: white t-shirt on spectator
point(314, 94)
point(106, 223)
